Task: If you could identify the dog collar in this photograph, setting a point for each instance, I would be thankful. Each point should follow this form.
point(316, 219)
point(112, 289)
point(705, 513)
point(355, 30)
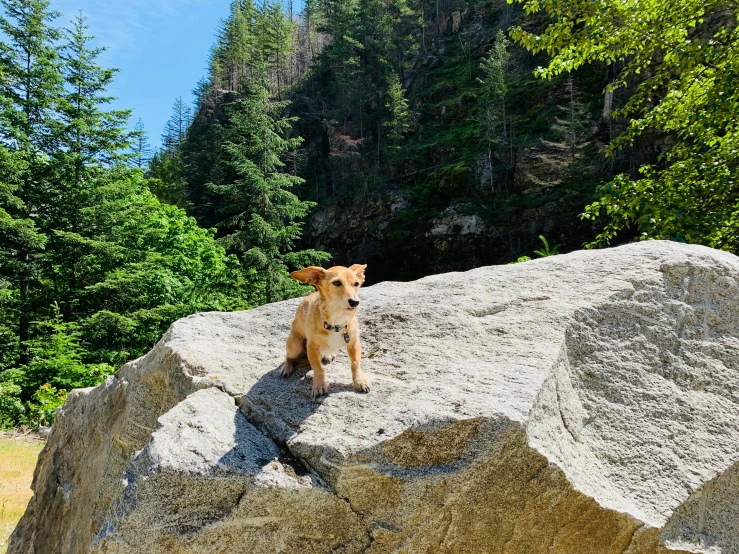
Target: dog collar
point(334, 328)
point(338, 329)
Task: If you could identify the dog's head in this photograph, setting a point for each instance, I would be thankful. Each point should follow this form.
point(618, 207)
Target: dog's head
point(338, 285)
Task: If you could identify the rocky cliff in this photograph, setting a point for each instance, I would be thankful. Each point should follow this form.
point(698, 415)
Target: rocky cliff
point(442, 200)
point(584, 403)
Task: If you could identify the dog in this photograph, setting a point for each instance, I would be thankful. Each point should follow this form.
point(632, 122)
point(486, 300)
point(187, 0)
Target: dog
point(325, 321)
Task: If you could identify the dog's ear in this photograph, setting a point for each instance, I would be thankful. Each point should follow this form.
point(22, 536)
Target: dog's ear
point(359, 270)
point(310, 275)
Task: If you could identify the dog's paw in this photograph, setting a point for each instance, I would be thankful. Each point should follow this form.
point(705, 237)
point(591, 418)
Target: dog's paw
point(361, 384)
point(320, 388)
point(327, 359)
point(286, 369)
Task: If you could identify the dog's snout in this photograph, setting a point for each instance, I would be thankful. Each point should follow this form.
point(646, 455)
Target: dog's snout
point(354, 302)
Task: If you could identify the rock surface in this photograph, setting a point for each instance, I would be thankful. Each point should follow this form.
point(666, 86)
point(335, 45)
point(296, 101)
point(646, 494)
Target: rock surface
point(584, 403)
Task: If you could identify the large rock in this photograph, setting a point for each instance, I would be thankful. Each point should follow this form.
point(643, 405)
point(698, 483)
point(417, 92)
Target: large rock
point(585, 403)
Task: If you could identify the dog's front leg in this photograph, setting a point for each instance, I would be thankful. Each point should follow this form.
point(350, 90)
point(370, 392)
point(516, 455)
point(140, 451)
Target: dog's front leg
point(320, 386)
point(361, 383)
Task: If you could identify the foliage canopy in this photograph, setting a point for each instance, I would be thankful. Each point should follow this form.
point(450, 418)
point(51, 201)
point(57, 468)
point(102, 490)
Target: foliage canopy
point(683, 60)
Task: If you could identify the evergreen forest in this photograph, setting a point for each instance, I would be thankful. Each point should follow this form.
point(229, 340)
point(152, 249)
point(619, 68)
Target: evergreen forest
point(415, 136)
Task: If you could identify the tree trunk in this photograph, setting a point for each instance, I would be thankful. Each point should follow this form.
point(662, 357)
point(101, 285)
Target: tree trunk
point(378, 144)
point(607, 104)
point(505, 130)
point(490, 163)
point(23, 324)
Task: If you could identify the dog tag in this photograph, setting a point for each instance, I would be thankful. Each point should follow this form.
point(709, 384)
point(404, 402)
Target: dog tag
point(346, 337)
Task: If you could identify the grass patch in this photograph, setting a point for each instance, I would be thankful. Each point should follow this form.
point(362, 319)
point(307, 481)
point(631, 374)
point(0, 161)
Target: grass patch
point(17, 462)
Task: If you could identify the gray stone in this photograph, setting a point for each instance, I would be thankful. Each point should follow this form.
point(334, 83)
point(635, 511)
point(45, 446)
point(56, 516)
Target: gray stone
point(451, 222)
point(583, 403)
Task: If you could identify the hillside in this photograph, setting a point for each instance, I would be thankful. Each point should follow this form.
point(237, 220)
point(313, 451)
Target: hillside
point(431, 136)
point(466, 165)
point(444, 198)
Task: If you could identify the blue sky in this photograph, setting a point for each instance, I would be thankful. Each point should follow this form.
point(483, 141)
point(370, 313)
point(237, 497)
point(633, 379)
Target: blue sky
point(160, 46)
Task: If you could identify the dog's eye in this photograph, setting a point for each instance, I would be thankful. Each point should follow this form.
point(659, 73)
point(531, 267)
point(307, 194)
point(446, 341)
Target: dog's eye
point(337, 283)
point(356, 284)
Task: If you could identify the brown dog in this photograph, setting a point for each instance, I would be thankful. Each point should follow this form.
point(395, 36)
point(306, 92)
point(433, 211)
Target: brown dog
point(325, 321)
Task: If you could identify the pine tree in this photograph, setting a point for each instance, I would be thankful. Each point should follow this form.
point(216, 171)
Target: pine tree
point(493, 117)
point(201, 91)
point(31, 82)
point(175, 130)
point(407, 19)
point(20, 244)
point(236, 46)
point(92, 139)
point(375, 28)
point(575, 127)
point(166, 177)
point(58, 358)
point(275, 34)
point(386, 31)
point(86, 252)
point(263, 215)
point(341, 56)
point(201, 159)
point(94, 135)
point(399, 119)
point(141, 150)
point(572, 131)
